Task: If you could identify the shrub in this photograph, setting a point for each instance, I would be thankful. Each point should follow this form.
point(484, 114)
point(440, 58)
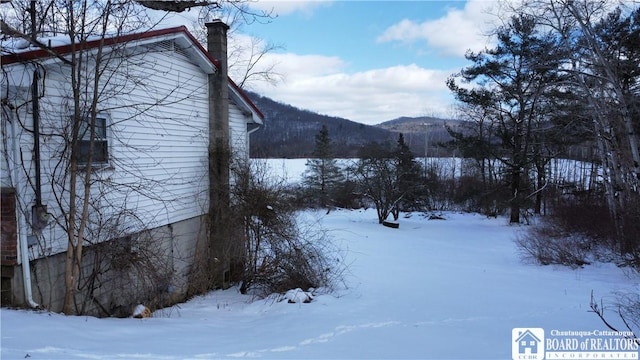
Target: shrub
point(587, 214)
point(302, 257)
point(138, 267)
point(547, 243)
point(281, 252)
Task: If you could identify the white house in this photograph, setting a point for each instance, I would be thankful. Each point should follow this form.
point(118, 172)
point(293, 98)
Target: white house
point(158, 107)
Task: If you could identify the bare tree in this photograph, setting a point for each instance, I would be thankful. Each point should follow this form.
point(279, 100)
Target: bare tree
point(602, 67)
point(614, 71)
point(477, 142)
point(248, 55)
point(376, 173)
point(78, 142)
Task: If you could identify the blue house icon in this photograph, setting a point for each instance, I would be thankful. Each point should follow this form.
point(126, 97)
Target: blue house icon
point(527, 341)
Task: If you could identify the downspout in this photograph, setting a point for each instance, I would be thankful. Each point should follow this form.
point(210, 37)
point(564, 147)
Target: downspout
point(39, 215)
point(20, 228)
point(21, 221)
point(36, 136)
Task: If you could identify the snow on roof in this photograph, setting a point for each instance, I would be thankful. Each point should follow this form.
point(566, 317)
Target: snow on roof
point(14, 45)
point(16, 50)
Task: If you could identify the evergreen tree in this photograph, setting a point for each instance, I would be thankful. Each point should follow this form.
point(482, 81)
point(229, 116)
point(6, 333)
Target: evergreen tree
point(323, 173)
point(408, 177)
point(513, 84)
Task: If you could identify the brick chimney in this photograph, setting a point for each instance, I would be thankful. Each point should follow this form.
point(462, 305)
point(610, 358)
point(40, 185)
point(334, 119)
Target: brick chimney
point(220, 242)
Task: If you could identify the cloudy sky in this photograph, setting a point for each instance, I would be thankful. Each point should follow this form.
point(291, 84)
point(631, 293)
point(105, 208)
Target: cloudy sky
point(369, 61)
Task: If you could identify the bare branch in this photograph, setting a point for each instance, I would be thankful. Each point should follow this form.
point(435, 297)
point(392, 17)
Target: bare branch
point(599, 311)
point(176, 5)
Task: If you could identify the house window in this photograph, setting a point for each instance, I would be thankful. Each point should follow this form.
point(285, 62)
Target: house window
point(100, 144)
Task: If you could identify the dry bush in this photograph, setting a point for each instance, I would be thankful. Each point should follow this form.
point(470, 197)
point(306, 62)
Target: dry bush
point(136, 265)
point(547, 243)
point(281, 251)
point(472, 194)
point(302, 257)
point(629, 309)
point(584, 213)
point(587, 213)
point(577, 231)
point(631, 232)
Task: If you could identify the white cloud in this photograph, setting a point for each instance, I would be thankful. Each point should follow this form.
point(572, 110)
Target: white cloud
point(319, 84)
point(290, 68)
point(453, 34)
point(295, 67)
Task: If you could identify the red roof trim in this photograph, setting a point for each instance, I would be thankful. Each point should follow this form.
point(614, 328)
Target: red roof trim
point(67, 49)
point(246, 98)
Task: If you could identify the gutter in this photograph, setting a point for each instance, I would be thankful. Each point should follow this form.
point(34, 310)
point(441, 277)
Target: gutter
point(21, 234)
point(253, 128)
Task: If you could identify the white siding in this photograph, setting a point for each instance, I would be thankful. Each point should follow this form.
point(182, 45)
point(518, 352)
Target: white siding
point(15, 88)
point(156, 104)
point(238, 132)
point(165, 146)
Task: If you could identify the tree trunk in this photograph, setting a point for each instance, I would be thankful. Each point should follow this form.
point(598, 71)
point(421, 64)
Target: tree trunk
point(514, 217)
point(540, 184)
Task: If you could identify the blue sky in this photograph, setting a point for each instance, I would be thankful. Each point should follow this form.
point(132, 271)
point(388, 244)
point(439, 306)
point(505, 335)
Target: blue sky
point(367, 61)
point(350, 29)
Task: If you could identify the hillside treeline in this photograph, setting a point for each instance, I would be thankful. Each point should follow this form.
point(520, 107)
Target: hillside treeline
point(289, 132)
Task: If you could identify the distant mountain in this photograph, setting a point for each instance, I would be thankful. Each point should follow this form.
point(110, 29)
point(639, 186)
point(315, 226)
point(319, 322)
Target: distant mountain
point(290, 132)
point(416, 124)
point(424, 131)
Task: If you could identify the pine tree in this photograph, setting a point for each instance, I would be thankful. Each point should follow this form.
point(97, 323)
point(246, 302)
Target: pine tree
point(322, 173)
point(515, 81)
point(407, 167)
point(408, 176)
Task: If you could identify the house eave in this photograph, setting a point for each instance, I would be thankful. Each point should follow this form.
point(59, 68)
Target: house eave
point(180, 34)
point(242, 101)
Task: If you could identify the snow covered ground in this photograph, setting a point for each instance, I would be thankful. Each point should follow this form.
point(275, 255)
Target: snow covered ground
point(432, 289)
